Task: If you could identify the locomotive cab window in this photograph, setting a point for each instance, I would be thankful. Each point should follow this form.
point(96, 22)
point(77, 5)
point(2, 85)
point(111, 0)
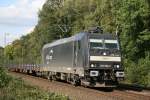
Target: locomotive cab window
point(111, 44)
point(96, 44)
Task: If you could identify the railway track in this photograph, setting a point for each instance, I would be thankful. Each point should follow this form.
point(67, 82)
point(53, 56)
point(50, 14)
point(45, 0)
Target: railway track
point(81, 93)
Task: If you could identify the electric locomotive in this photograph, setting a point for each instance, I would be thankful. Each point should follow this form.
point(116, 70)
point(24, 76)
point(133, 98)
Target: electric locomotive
point(91, 58)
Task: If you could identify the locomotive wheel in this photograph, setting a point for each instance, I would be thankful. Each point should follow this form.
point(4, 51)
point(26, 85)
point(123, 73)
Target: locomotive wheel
point(75, 81)
point(49, 76)
point(54, 78)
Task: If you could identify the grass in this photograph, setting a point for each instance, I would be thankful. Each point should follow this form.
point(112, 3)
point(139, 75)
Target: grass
point(18, 90)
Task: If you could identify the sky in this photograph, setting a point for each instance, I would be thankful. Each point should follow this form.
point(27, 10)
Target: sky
point(17, 18)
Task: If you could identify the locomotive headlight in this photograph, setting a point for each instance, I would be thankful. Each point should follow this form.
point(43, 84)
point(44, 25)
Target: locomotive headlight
point(116, 66)
point(104, 53)
point(92, 65)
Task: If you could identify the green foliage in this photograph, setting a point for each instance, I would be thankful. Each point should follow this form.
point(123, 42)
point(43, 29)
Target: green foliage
point(133, 18)
point(4, 78)
point(1, 56)
point(139, 73)
point(18, 90)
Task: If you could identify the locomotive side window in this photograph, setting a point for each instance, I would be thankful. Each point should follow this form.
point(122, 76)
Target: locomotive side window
point(79, 45)
point(75, 52)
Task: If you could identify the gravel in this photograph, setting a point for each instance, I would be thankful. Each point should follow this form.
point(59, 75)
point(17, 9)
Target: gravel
point(80, 93)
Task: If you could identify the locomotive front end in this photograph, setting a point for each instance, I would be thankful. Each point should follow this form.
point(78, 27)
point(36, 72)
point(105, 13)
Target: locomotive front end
point(105, 68)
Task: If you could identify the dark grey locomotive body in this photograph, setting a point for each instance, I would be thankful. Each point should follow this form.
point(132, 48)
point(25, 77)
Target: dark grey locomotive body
point(66, 55)
point(85, 58)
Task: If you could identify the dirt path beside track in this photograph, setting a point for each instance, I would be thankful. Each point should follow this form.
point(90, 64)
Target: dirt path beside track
point(79, 93)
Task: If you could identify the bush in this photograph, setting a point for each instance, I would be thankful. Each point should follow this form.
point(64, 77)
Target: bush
point(143, 71)
point(18, 90)
point(4, 78)
point(138, 73)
